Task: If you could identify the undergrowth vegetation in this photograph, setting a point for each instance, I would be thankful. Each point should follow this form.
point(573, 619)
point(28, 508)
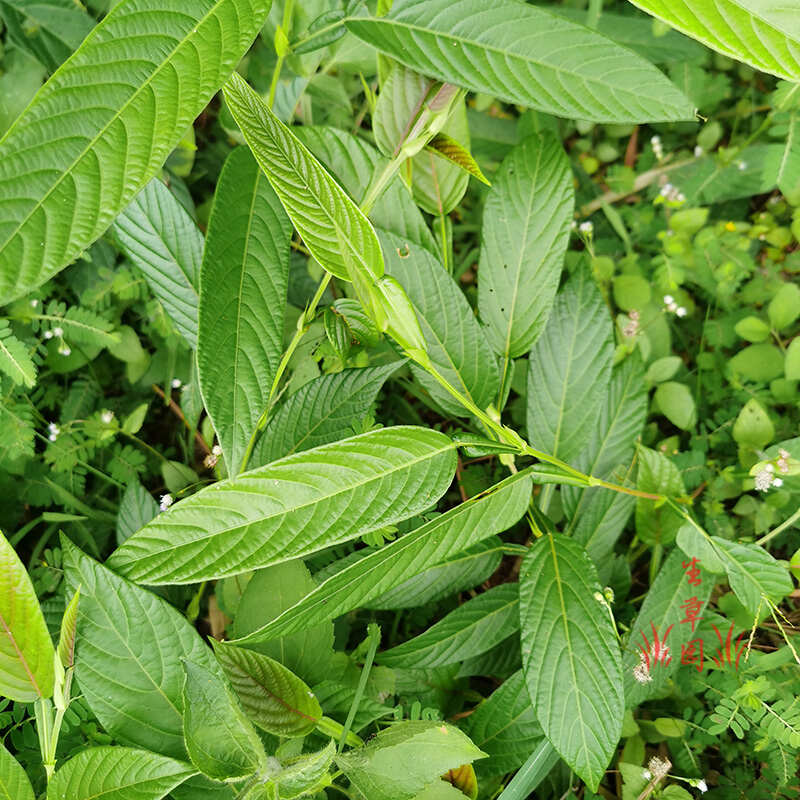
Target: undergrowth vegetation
point(399, 401)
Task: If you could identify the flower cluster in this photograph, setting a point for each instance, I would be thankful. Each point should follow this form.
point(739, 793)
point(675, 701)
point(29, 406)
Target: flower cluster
point(166, 502)
point(632, 328)
point(58, 333)
point(671, 194)
point(658, 148)
point(641, 672)
point(210, 461)
point(106, 416)
point(673, 307)
point(659, 767)
point(52, 431)
point(766, 479)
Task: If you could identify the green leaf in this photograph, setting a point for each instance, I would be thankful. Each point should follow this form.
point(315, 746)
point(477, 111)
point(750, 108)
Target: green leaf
point(245, 275)
point(676, 403)
point(662, 610)
point(118, 773)
point(126, 631)
point(292, 507)
point(753, 329)
point(333, 228)
point(354, 162)
point(410, 555)
point(657, 523)
point(14, 783)
point(762, 33)
point(449, 148)
point(535, 769)
point(323, 410)
point(400, 761)
point(306, 773)
point(133, 87)
point(754, 575)
point(525, 233)
point(220, 740)
point(267, 595)
point(456, 343)
point(505, 727)
point(524, 55)
point(450, 576)
point(787, 168)
point(758, 362)
point(784, 308)
point(49, 29)
point(157, 234)
point(697, 545)
point(15, 360)
point(136, 509)
point(618, 425)
point(601, 522)
point(471, 629)
point(69, 632)
point(26, 650)
point(569, 369)
point(272, 696)
point(792, 365)
point(753, 427)
point(570, 655)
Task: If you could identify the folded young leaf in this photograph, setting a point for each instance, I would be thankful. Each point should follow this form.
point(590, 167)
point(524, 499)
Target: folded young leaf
point(157, 234)
point(524, 55)
point(471, 629)
point(407, 556)
point(245, 275)
point(333, 228)
point(118, 772)
point(762, 33)
point(569, 369)
point(570, 655)
point(221, 742)
point(14, 783)
point(292, 507)
point(272, 696)
point(26, 649)
point(132, 88)
point(124, 630)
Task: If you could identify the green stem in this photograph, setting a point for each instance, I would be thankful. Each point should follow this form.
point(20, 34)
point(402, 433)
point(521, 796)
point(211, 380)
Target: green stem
point(288, 10)
point(787, 523)
point(48, 735)
point(379, 184)
point(374, 637)
point(593, 13)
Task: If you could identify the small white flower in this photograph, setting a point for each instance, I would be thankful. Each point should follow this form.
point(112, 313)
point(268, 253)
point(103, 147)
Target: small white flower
point(166, 502)
point(641, 673)
point(52, 437)
point(680, 197)
point(65, 350)
point(655, 141)
point(777, 482)
point(48, 334)
point(659, 766)
point(586, 228)
point(698, 151)
point(681, 311)
point(59, 332)
point(106, 416)
point(646, 774)
point(668, 299)
point(210, 461)
point(216, 450)
point(702, 785)
point(34, 303)
point(763, 480)
point(667, 189)
point(742, 165)
point(53, 431)
point(176, 383)
point(574, 225)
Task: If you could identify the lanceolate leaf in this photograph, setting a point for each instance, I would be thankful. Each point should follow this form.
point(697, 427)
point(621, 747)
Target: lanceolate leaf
point(14, 783)
point(505, 726)
point(618, 425)
point(321, 411)
point(569, 370)
point(524, 55)
point(128, 658)
point(525, 232)
point(662, 610)
point(105, 122)
point(471, 629)
point(601, 522)
point(220, 740)
point(26, 650)
point(293, 507)
point(119, 773)
point(335, 231)
point(762, 33)
point(410, 555)
point(273, 697)
point(455, 341)
point(245, 274)
point(570, 655)
point(449, 148)
point(157, 234)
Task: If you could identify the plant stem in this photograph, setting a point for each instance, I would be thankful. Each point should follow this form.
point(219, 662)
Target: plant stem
point(288, 10)
point(374, 638)
point(379, 184)
point(593, 13)
point(787, 523)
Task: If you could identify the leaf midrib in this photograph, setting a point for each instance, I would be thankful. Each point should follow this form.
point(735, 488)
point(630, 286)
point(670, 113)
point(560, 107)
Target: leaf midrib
point(146, 84)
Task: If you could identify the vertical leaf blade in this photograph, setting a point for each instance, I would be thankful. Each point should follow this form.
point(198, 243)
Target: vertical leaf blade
point(570, 655)
point(245, 275)
point(133, 87)
point(525, 233)
point(14, 783)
